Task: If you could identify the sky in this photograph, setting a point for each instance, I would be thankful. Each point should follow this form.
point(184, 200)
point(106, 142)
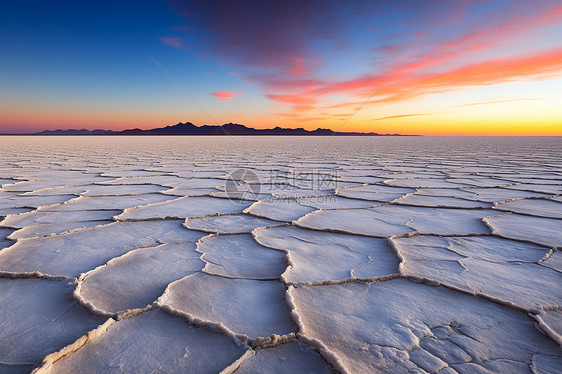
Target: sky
point(432, 67)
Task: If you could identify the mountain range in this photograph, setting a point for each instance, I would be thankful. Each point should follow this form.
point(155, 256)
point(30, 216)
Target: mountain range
point(189, 128)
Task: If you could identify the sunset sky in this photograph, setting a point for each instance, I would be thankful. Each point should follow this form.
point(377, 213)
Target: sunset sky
point(427, 67)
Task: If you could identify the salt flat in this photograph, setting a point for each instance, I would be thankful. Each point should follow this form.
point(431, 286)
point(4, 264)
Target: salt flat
point(280, 255)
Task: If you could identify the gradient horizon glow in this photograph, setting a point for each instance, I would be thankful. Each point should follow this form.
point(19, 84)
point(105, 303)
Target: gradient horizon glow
point(428, 67)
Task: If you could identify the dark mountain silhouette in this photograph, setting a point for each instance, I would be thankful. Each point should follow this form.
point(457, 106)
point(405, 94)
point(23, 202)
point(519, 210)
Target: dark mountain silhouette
point(73, 132)
point(189, 128)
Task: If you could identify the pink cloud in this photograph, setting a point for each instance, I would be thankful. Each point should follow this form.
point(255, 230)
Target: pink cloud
point(226, 95)
point(493, 71)
point(483, 39)
point(277, 44)
point(411, 81)
point(173, 42)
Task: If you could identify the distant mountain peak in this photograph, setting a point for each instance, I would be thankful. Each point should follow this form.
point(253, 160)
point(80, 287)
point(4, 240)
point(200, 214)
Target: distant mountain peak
point(188, 128)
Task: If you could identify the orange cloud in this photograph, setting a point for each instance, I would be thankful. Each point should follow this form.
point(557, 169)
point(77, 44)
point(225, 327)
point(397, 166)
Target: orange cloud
point(226, 95)
point(536, 67)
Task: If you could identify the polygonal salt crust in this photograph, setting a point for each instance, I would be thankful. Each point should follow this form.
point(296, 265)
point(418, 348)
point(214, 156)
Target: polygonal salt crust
point(39, 217)
point(535, 207)
point(53, 229)
point(248, 307)
point(21, 201)
point(288, 358)
point(334, 202)
point(279, 210)
point(374, 192)
point(491, 195)
point(152, 342)
point(28, 186)
point(72, 253)
point(438, 202)
point(499, 269)
point(424, 183)
point(109, 202)
point(400, 326)
point(384, 221)
point(183, 207)
point(137, 278)
point(544, 231)
point(551, 189)
point(102, 190)
point(38, 317)
point(165, 181)
point(228, 224)
point(239, 256)
point(328, 257)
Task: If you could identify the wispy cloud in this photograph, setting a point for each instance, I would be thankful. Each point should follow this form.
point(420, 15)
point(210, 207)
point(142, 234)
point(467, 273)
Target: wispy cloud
point(226, 95)
point(494, 102)
point(403, 115)
point(172, 42)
